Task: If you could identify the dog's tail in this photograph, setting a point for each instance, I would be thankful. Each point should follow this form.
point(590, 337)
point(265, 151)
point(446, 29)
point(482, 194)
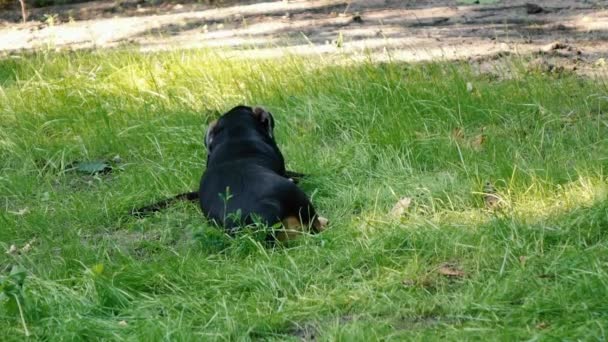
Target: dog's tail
point(147, 210)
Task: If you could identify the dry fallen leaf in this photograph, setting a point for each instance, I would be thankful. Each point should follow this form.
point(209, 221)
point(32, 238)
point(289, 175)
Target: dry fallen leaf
point(401, 206)
point(420, 135)
point(458, 134)
point(478, 140)
point(522, 260)
point(451, 270)
point(12, 250)
point(26, 248)
point(408, 282)
point(554, 46)
point(469, 87)
point(491, 201)
point(19, 212)
point(542, 325)
point(490, 198)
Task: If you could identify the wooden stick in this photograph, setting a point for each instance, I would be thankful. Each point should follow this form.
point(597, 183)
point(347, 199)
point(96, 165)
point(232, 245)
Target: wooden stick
point(23, 12)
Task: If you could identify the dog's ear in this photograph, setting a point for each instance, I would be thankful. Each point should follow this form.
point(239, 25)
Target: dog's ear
point(265, 118)
point(209, 135)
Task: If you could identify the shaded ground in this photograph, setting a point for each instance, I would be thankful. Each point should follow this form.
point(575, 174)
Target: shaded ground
point(411, 30)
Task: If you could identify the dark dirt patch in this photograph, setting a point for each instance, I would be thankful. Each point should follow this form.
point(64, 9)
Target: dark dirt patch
point(307, 332)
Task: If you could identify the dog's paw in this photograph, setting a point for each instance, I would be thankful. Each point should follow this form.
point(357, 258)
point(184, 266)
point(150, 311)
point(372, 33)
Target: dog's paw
point(323, 222)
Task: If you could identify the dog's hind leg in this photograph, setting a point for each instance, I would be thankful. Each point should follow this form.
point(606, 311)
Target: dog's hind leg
point(294, 227)
point(320, 223)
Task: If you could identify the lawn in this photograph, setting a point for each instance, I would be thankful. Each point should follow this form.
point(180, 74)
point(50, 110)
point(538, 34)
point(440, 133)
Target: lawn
point(506, 236)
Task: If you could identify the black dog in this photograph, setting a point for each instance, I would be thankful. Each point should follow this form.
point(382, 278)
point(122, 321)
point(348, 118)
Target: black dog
point(245, 181)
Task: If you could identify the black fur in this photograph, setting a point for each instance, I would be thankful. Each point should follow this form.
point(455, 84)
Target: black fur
point(245, 180)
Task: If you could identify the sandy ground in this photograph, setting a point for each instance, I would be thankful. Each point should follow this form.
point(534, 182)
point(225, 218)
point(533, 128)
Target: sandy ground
point(408, 30)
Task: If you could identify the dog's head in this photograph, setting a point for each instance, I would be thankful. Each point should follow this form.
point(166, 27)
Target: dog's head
point(240, 121)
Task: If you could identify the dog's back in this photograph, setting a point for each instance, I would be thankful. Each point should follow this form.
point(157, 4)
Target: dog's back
point(236, 194)
point(245, 180)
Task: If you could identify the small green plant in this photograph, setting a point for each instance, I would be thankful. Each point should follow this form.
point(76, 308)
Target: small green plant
point(225, 197)
point(340, 40)
point(12, 298)
point(51, 19)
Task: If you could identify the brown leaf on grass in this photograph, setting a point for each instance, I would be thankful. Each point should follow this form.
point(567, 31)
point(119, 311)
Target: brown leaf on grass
point(408, 282)
point(491, 201)
point(542, 325)
point(12, 250)
point(490, 198)
point(401, 206)
point(458, 134)
point(420, 135)
point(554, 46)
point(26, 248)
point(478, 141)
point(469, 87)
point(522, 260)
point(451, 270)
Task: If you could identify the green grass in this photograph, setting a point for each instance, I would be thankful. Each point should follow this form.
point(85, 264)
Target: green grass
point(366, 134)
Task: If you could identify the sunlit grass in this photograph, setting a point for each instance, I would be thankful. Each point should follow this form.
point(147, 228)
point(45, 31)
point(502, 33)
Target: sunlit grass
point(533, 266)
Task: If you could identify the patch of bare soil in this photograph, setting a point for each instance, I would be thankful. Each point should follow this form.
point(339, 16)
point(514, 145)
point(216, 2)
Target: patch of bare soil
point(565, 34)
